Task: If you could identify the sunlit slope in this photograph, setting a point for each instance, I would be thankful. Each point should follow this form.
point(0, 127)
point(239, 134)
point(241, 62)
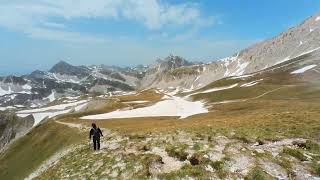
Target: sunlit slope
point(296, 79)
point(30, 151)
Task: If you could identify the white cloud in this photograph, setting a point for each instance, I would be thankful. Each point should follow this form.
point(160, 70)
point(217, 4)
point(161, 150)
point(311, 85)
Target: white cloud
point(64, 36)
point(33, 17)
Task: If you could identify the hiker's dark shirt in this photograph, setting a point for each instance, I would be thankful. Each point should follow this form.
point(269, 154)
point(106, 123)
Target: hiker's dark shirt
point(95, 133)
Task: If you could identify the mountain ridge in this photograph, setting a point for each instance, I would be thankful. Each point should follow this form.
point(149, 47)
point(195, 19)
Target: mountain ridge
point(172, 71)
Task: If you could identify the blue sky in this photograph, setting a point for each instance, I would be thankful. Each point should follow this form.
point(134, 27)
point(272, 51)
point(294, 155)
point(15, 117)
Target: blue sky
point(35, 34)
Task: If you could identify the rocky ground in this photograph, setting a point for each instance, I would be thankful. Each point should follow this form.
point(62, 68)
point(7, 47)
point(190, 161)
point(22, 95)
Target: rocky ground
point(184, 155)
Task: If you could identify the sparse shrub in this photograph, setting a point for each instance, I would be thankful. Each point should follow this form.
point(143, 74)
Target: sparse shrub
point(312, 146)
point(197, 159)
point(197, 146)
point(226, 158)
point(177, 152)
point(194, 160)
point(137, 136)
point(297, 153)
point(285, 163)
point(245, 139)
point(316, 168)
point(218, 166)
point(194, 171)
point(187, 170)
point(257, 174)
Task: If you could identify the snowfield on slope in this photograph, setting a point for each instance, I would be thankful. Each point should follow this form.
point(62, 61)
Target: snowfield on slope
point(52, 111)
point(220, 88)
point(175, 106)
point(135, 102)
point(252, 83)
point(53, 108)
point(214, 89)
point(304, 69)
point(4, 92)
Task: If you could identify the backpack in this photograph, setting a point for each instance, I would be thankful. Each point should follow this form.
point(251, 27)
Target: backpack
point(96, 132)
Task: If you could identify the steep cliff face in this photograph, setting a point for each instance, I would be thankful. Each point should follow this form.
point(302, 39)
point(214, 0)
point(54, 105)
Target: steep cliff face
point(289, 44)
point(12, 126)
point(296, 41)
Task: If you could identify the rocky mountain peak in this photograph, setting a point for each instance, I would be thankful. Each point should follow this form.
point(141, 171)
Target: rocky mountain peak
point(14, 80)
point(63, 67)
point(173, 62)
point(60, 66)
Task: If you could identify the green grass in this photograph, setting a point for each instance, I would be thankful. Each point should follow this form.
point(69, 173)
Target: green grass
point(197, 146)
point(28, 152)
point(297, 153)
point(236, 93)
point(218, 166)
point(316, 168)
point(187, 170)
point(258, 174)
point(177, 151)
point(8, 120)
point(313, 147)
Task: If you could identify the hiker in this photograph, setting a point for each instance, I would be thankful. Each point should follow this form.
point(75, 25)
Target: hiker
point(95, 132)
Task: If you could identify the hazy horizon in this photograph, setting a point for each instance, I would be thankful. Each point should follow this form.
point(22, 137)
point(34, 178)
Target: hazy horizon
point(36, 35)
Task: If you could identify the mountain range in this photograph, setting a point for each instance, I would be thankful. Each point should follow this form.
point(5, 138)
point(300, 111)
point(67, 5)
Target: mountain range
point(63, 79)
point(253, 115)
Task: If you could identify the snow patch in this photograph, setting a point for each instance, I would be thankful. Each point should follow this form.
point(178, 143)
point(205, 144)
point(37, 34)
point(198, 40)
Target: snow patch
point(53, 108)
point(51, 97)
point(242, 76)
point(252, 83)
point(6, 108)
point(27, 87)
point(300, 43)
point(197, 78)
point(284, 60)
point(173, 90)
point(38, 117)
point(303, 53)
point(5, 92)
point(51, 111)
point(80, 107)
point(214, 90)
point(135, 102)
point(175, 106)
point(220, 88)
point(165, 97)
point(240, 68)
point(304, 69)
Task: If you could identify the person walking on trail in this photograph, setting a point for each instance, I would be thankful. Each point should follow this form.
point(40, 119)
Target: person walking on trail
point(95, 133)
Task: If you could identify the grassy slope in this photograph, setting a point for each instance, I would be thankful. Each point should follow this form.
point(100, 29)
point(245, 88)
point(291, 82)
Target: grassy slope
point(291, 111)
point(28, 152)
point(146, 95)
point(258, 118)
